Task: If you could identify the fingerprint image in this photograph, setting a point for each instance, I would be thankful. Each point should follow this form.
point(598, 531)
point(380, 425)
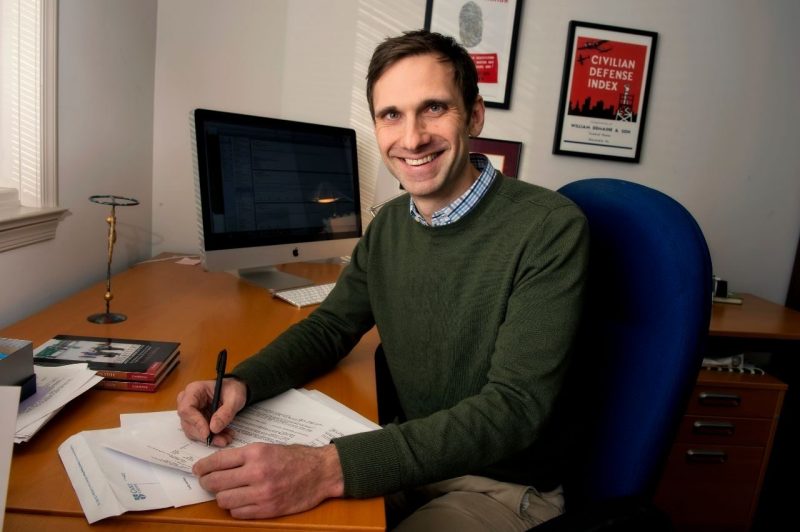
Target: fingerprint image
point(470, 24)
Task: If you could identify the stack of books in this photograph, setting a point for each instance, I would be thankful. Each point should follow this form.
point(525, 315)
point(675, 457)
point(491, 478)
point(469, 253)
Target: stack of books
point(124, 364)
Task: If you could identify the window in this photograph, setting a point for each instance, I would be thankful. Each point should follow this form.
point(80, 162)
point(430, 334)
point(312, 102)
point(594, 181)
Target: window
point(28, 188)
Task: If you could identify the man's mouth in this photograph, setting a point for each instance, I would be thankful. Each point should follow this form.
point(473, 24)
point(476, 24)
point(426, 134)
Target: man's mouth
point(420, 162)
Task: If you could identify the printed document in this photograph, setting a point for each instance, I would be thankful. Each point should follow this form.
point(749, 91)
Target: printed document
point(109, 483)
point(182, 488)
point(146, 463)
point(290, 418)
point(55, 387)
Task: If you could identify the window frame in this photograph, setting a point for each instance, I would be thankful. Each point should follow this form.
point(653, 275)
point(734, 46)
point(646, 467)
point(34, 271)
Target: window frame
point(22, 225)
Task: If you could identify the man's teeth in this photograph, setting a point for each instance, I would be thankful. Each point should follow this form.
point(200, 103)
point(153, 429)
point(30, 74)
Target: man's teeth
point(417, 162)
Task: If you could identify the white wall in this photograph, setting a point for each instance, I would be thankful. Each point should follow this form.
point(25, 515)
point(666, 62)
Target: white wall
point(226, 56)
point(105, 99)
point(264, 58)
point(720, 127)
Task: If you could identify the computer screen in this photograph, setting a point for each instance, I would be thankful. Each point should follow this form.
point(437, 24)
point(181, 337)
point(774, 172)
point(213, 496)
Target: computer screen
point(274, 191)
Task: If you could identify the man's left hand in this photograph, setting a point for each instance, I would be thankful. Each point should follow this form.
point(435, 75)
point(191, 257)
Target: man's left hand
point(262, 480)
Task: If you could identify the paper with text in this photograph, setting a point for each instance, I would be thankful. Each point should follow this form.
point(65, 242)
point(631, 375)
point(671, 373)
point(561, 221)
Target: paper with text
point(290, 418)
point(108, 483)
point(146, 462)
point(55, 387)
point(182, 488)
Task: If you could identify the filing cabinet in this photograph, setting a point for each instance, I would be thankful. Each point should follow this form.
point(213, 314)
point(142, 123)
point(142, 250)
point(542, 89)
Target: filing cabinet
point(716, 466)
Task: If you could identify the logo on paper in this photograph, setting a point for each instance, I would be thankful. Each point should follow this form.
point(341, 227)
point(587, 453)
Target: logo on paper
point(136, 492)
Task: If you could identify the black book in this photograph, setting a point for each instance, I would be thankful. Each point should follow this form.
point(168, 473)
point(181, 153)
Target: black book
point(113, 358)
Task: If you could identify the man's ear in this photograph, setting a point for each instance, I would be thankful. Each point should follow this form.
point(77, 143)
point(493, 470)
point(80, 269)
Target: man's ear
point(476, 117)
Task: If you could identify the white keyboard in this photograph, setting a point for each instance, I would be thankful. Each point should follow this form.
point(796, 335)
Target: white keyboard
point(306, 295)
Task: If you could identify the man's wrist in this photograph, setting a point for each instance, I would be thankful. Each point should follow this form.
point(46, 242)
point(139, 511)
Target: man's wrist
point(239, 380)
point(331, 471)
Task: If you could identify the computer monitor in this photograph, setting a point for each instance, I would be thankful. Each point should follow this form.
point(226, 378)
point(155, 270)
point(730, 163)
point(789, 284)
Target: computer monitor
point(274, 191)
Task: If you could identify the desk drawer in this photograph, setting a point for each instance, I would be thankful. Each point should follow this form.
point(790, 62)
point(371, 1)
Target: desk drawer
point(710, 400)
point(710, 430)
point(710, 484)
point(723, 463)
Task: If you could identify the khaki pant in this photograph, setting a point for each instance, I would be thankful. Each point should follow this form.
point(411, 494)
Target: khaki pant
point(472, 503)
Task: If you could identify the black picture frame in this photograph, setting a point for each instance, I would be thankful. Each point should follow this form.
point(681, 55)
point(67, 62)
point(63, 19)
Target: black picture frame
point(488, 30)
point(605, 91)
point(505, 155)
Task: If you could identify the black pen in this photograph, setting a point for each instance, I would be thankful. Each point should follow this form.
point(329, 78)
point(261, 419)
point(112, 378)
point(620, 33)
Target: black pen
point(222, 360)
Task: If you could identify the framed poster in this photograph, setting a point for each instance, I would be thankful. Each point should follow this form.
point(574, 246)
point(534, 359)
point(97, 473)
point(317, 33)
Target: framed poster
point(488, 30)
point(503, 154)
point(603, 105)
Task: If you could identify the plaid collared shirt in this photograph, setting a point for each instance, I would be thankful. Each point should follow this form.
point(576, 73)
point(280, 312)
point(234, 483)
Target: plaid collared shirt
point(467, 201)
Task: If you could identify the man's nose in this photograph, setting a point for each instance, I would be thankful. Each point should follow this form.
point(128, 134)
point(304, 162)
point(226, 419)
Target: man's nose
point(415, 134)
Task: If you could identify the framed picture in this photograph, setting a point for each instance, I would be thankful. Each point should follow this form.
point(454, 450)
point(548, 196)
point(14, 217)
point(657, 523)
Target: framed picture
point(603, 106)
point(503, 154)
point(488, 30)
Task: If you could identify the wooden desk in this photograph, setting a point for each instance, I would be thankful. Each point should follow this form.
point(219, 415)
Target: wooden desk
point(759, 325)
point(204, 312)
point(754, 318)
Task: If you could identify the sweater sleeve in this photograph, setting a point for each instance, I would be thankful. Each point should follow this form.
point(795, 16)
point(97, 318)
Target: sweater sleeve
point(526, 369)
point(316, 344)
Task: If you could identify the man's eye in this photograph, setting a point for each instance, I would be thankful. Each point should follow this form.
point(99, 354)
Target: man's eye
point(436, 108)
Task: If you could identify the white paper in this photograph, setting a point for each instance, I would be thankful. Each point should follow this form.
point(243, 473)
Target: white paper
point(160, 442)
point(287, 419)
point(55, 387)
point(339, 407)
point(146, 462)
point(9, 401)
point(181, 488)
point(290, 418)
point(108, 483)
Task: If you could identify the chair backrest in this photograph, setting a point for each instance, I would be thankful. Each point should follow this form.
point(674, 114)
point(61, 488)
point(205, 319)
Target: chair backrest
point(640, 348)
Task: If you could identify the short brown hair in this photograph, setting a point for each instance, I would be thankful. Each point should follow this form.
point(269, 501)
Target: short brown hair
point(421, 42)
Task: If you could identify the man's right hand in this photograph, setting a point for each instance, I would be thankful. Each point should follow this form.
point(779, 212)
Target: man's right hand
point(193, 408)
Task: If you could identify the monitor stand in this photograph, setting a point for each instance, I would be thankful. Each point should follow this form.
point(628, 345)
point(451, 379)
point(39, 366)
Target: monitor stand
point(273, 279)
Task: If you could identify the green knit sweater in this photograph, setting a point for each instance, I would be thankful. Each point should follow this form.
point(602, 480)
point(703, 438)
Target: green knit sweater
point(476, 319)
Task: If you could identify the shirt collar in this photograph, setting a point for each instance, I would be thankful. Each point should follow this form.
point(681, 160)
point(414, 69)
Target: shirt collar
point(464, 203)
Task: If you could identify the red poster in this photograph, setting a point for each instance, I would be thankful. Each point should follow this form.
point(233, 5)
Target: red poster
point(487, 67)
point(607, 79)
point(604, 93)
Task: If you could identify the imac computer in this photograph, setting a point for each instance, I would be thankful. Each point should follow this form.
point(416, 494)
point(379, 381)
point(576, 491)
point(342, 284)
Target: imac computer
point(274, 191)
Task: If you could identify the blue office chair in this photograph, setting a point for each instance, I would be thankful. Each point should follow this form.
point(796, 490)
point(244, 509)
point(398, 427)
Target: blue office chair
point(641, 345)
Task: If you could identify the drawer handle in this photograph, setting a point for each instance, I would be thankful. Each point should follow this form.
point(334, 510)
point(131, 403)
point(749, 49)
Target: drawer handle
point(715, 428)
point(719, 399)
point(706, 457)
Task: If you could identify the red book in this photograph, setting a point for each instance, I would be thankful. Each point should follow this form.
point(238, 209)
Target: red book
point(135, 386)
point(112, 358)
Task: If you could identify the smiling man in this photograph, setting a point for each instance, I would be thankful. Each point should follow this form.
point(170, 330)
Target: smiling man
point(423, 125)
point(475, 283)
